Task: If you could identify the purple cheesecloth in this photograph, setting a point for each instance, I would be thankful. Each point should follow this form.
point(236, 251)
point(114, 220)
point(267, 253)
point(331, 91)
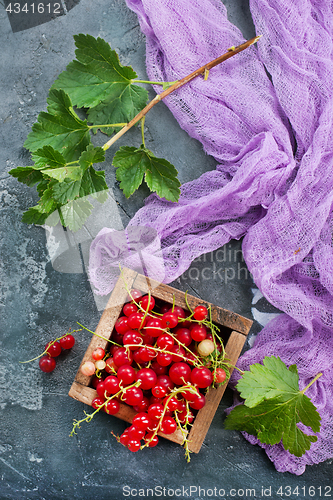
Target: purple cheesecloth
point(273, 184)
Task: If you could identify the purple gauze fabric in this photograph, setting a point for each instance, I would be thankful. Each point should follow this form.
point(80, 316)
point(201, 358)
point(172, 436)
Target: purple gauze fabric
point(274, 179)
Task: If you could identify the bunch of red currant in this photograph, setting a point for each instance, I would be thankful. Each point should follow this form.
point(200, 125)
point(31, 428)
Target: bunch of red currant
point(161, 362)
point(53, 348)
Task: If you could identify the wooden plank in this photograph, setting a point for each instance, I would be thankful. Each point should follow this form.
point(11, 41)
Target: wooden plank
point(107, 321)
point(205, 416)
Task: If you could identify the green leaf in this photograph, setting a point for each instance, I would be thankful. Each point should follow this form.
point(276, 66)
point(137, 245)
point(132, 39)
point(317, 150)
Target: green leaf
point(27, 175)
point(61, 174)
point(60, 128)
point(75, 213)
point(133, 164)
point(34, 216)
point(267, 381)
point(92, 182)
point(97, 76)
point(274, 406)
point(90, 156)
point(48, 156)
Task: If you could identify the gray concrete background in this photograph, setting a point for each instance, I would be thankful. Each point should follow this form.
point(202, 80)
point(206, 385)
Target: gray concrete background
point(38, 460)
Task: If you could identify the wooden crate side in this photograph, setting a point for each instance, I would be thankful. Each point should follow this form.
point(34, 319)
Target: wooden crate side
point(205, 416)
point(219, 315)
point(107, 321)
point(86, 395)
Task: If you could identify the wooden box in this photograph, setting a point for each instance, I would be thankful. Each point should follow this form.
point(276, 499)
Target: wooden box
point(234, 326)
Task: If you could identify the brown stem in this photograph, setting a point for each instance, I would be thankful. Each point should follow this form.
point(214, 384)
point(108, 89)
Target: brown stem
point(204, 70)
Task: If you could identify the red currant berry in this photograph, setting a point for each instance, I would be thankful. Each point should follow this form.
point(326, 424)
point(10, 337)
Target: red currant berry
point(87, 369)
point(169, 320)
point(67, 342)
point(100, 389)
point(158, 369)
point(133, 396)
point(155, 411)
point(126, 374)
point(168, 425)
point(133, 445)
point(48, 364)
point(97, 402)
point(123, 357)
point(110, 366)
point(200, 313)
point(202, 377)
point(135, 295)
point(98, 354)
point(142, 420)
point(219, 375)
point(129, 309)
point(112, 407)
point(154, 327)
point(165, 308)
point(121, 325)
point(147, 377)
point(147, 303)
point(178, 353)
point(198, 403)
point(198, 333)
point(172, 404)
point(165, 381)
point(54, 349)
point(111, 384)
point(190, 396)
point(165, 341)
point(183, 335)
point(143, 406)
point(164, 358)
point(185, 416)
point(180, 373)
point(151, 439)
point(117, 337)
point(158, 391)
point(179, 311)
point(135, 321)
point(124, 438)
point(135, 432)
point(132, 339)
point(147, 353)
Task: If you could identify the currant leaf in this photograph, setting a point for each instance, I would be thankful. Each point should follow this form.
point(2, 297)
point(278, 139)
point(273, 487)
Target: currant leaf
point(96, 76)
point(47, 156)
point(75, 213)
point(34, 215)
point(273, 415)
point(134, 164)
point(60, 128)
point(27, 175)
point(90, 156)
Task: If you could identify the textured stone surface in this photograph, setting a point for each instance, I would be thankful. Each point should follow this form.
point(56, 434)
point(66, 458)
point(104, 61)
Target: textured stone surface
point(37, 458)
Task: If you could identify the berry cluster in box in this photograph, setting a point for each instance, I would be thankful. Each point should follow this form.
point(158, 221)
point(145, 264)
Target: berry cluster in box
point(164, 361)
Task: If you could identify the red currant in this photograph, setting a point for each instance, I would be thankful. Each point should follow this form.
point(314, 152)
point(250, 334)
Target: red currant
point(111, 384)
point(123, 357)
point(200, 313)
point(112, 407)
point(169, 320)
point(133, 396)
point(98, 354)
point(202, 377)
point(165, 341)
point(129, 309)
point(198, 333)
point(155, 411)
point(133, 445)
point(48, 364)
point(198, 403)
point(168, 425)
point(180, 373)
point(67, 342)
point(147, 303)
point(147, 377)
point(135, 295)
point(126, 374)
point(54, 349)
point(110, 366)
point(97, 402)
point(121, 325)
point(135, 321)
point(132, 339)
point(142, 420)
point(147, 353)
point(183, 335)
point(164, 358)
point(219, 375)
point(158, 391)
point(154, 327)
point(152, 441)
